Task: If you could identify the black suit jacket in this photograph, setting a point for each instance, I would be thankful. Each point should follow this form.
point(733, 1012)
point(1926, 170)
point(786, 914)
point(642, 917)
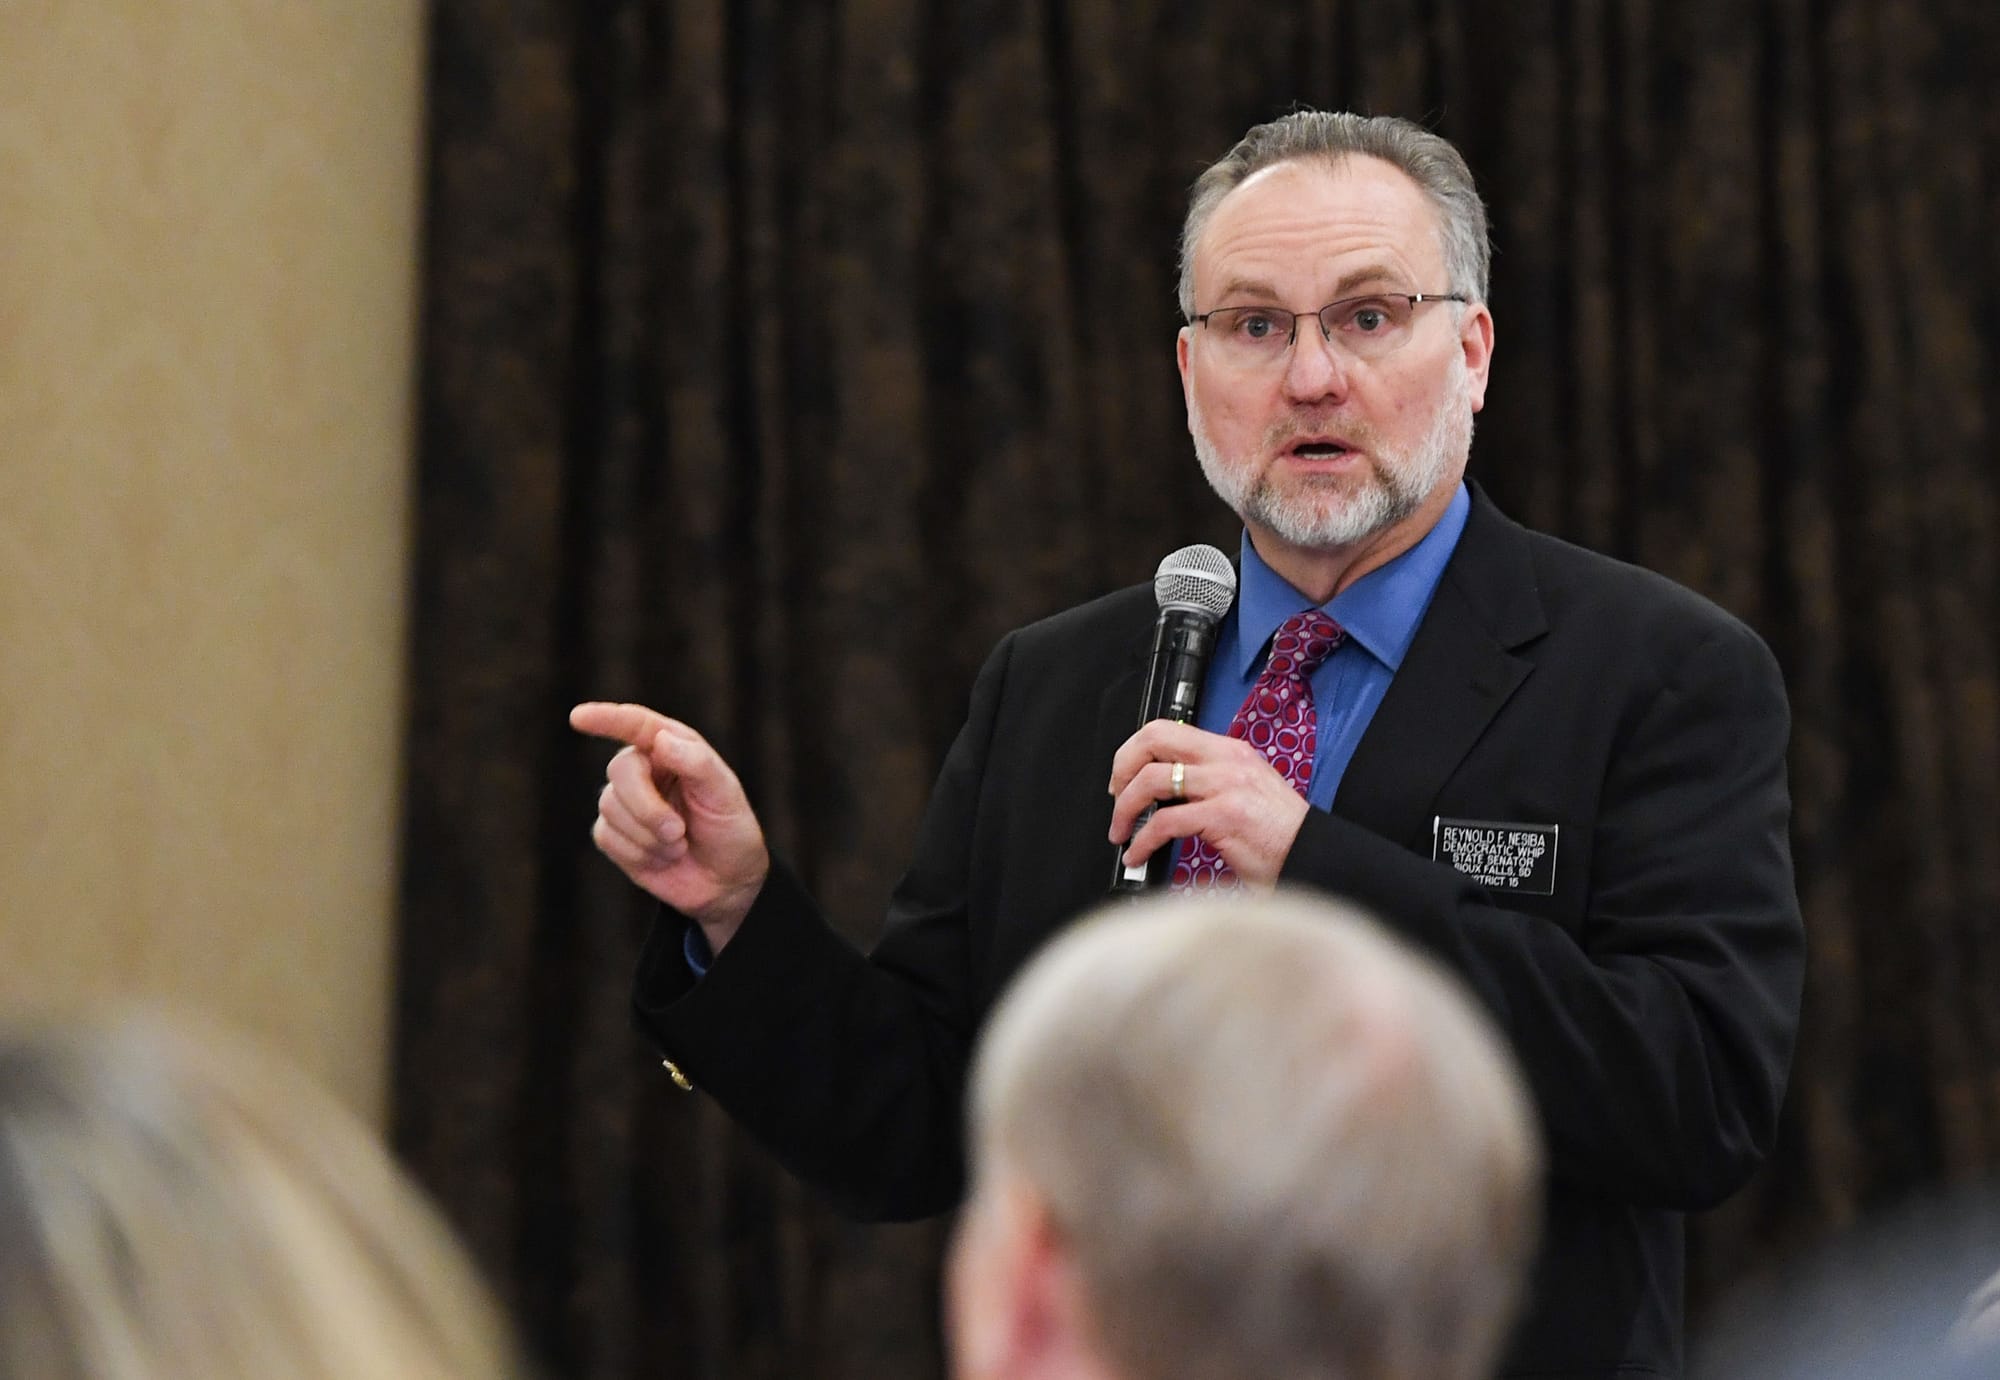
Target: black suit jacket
point(1652, 997)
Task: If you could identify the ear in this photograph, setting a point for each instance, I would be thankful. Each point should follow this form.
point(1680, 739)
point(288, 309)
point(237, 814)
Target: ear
point(1182, 341)
point(1017, 1308)
point(1475, 337)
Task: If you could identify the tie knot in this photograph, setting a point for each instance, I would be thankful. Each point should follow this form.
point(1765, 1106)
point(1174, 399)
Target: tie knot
point(1302, 642)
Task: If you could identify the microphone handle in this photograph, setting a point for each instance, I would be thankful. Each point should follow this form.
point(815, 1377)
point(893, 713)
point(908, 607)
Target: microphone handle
point(1183, 640)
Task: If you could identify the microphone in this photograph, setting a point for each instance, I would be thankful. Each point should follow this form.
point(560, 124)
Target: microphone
point(1194, 587)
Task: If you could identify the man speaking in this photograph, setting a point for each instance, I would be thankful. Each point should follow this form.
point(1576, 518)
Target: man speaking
point(1562, 776)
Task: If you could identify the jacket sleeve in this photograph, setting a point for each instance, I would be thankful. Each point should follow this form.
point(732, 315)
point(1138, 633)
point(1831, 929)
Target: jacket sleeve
point(849, 1069)
point(1657, 1039)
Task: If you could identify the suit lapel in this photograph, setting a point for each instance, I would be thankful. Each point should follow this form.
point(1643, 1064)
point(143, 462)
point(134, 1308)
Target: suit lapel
point(1117, 719)
point(1460, 669)
point(1118, 709)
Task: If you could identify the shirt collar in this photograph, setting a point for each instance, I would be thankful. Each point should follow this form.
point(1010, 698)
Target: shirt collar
point(1380, 611)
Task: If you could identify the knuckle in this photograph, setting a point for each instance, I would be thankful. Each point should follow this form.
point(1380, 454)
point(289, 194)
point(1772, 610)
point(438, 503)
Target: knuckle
point(605, 837)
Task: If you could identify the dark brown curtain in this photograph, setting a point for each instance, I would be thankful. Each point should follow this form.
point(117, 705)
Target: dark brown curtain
point(777, 358)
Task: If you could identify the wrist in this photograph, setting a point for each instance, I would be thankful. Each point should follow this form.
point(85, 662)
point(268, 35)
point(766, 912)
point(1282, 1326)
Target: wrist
point(720, 920)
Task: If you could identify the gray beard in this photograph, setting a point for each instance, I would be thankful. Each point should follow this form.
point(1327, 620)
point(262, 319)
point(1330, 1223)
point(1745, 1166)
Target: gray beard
point(1334, 511)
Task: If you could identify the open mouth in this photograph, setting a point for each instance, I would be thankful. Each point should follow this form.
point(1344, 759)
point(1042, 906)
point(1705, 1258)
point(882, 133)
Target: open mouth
point(1319, 450)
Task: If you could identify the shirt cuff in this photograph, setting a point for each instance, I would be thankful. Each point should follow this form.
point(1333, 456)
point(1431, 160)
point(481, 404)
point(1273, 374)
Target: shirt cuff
point(694, 948)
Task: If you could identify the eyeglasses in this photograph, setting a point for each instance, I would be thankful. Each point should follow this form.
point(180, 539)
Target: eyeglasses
point(1365, 327)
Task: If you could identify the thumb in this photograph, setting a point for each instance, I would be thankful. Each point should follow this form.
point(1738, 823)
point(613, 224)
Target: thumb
point(707, 784)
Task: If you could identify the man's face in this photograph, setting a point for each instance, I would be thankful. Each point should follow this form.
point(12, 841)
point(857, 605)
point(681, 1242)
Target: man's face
point(1316, 447)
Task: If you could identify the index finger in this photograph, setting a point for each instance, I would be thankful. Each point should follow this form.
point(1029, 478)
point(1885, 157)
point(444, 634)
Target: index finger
point(631, 724)
point(1161, 740)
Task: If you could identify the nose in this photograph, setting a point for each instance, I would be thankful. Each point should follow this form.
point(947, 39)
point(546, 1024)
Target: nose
point(1315, 368)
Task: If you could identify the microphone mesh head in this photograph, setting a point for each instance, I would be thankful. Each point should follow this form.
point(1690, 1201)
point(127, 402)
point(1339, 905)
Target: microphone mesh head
point(1198, 579)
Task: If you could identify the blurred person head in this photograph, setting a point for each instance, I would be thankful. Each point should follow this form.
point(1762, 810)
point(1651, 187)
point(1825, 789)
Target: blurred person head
point(1978, 1327)
point(1236, 1136)
point(176, 1206)
point(1908, 1290)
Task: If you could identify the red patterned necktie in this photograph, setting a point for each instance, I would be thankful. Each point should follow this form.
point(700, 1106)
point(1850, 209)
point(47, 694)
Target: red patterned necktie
point(1278, 719)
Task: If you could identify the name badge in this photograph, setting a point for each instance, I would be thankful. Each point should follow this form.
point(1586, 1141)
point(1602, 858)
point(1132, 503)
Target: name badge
point(1499, 856)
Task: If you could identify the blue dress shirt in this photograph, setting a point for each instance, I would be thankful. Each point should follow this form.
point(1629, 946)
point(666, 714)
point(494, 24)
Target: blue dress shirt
point(1380, 612)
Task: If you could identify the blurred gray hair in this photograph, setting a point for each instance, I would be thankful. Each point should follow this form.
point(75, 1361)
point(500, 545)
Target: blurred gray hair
point(176, 1205)
point(1329, 136)
point(1276, 1141)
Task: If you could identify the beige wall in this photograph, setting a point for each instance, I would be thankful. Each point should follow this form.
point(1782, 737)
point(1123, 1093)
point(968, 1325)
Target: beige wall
point(208, 223)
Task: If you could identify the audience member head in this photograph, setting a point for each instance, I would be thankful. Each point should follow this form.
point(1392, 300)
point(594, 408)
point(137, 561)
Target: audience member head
point(175, 1206)
point(1977, 1330)
point(1907, 1290)
point(1241, 1137)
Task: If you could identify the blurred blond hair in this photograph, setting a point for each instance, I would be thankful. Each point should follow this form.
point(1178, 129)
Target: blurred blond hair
point(175, 1205)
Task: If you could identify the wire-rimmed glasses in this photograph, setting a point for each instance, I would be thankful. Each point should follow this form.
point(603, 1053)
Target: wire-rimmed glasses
point(1366, 327)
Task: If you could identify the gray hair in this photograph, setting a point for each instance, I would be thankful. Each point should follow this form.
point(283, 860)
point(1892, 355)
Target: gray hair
point(1276, 1141)
point(1329, 136)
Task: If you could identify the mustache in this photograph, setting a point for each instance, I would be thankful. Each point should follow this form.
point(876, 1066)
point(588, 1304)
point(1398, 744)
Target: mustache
point(1357, 434)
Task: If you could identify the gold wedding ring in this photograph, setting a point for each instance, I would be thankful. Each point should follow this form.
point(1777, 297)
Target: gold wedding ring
point(1179, 779)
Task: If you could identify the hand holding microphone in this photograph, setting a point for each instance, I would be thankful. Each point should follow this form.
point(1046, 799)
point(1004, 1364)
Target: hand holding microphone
point(1194, 588)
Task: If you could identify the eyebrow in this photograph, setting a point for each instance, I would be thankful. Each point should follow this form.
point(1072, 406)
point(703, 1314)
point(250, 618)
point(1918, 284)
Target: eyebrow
point(1379, 275)
point(1366, 275)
